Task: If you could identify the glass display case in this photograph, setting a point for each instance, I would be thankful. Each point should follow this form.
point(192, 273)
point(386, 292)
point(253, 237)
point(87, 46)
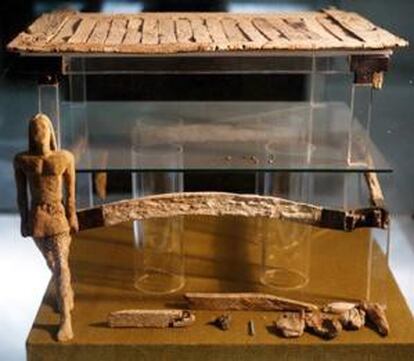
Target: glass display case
point(313, 149)
point(319, 136)
point(296, 149)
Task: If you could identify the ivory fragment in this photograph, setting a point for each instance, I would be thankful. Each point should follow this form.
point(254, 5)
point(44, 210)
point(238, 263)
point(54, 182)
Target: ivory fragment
point(245, 302)
point(220, 204)
point(291, 324)
point(323, 325)
point(352, 319)
point(151, 318)
point(338, 307)
point(376, 315)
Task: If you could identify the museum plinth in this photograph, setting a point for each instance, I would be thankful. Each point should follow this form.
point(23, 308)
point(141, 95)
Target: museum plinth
point(221, 256)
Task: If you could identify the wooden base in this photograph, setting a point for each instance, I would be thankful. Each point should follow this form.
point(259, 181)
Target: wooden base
point(222, 255)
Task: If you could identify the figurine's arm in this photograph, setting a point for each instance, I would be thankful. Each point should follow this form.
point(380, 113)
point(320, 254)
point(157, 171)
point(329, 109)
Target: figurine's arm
point(69, 177)
point(22, 199)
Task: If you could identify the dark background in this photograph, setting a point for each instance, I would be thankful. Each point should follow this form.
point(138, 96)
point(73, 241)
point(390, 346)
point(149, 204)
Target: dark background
point(23, 274)
point(393, 106)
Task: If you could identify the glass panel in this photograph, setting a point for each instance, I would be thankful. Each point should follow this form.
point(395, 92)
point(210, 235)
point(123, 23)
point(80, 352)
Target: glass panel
point(259, 136)
point(190, 65)
point(84, 190)
point(49, 103)
point(338, 265)
point(361, 115)
point(327, 131)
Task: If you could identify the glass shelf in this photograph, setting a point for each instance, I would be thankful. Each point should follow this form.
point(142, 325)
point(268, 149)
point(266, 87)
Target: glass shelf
point(101, 115)
point(219, 136)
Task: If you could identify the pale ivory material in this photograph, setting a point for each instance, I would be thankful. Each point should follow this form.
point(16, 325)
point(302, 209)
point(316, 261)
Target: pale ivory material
point(220, 204)
point(48, 174)
point(351, 315)
point(151, 318)
point(338, 307)
point(291, 324)
point(166, 33)
point(245, 301)
point(352, 319)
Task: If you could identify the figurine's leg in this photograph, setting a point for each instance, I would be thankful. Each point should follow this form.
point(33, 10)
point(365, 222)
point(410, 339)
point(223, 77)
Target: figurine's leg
point(44, 245)
point(61, 253)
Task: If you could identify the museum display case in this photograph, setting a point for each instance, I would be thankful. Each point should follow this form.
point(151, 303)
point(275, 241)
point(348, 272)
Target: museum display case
point(313, 224)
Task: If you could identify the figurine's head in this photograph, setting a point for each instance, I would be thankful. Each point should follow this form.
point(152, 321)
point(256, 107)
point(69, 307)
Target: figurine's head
point(41, 135)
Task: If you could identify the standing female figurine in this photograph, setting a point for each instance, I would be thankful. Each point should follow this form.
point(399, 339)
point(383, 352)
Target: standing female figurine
point(44, 170)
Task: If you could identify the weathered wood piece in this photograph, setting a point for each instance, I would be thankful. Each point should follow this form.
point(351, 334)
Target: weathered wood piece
point(82, 32)
point(100, 32)
point(251, 32)
point(375, 313)
point(200, 32)
point(338, 33)
point(360, 27)
point(117, 32)
point(374, 188)
point(369, 69)
point(150, 28)
point(323, 325)
point(244, 302)
point(133, 32)
point(291, 324)
point(165, 33)
point(219, 204)
point(273, 35)
point(184, 31)
point(216, 32)
point(151, 318)
point(67, 30)
point(49, 219)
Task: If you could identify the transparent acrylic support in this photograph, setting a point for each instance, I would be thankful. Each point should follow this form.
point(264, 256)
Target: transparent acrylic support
point(159, 254)
point(351, 265)
point(325, 132)
point(361, 108)
point(49, 104)
point(285, 246)
point(84, 190)
point(76, 127)
point(329, 117)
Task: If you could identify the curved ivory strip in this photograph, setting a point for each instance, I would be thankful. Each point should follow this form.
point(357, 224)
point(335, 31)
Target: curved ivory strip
point(221, 204)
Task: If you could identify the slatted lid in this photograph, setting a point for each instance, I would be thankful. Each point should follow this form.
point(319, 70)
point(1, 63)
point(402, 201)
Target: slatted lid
point(164, 33)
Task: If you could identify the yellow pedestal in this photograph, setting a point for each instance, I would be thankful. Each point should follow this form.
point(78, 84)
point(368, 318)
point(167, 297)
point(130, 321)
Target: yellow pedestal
point(222, 255)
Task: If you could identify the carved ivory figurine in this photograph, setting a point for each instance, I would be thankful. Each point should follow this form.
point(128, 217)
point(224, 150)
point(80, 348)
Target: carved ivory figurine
point(49, 219)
